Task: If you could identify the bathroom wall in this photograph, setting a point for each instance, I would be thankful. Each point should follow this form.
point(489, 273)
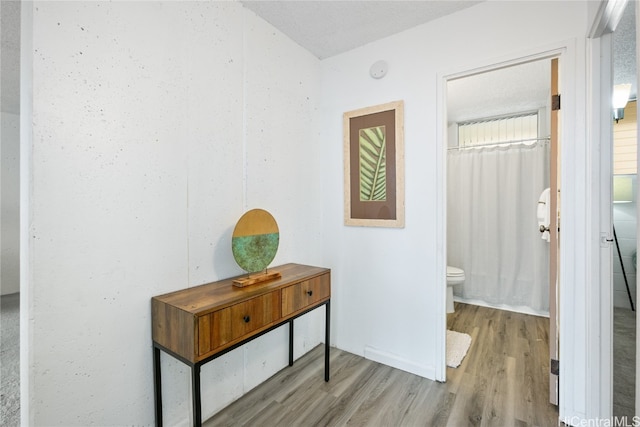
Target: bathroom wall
point(625, 223)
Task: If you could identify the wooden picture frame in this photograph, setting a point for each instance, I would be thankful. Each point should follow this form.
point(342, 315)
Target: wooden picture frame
point(374, 166)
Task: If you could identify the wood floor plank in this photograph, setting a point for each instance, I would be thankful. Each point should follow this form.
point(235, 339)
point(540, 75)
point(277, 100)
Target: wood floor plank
point(307, 410)
point(502, 381)
point(270, 413)
point(499, 407)
point(463, 413)
point(523, 401)
point(347, 367)
point(387, 404)
point(454, 376)
point(431, 405)
point(624, 362)
point(368, 411)
point(283, 383)
point(353, 397)
point(439, 413)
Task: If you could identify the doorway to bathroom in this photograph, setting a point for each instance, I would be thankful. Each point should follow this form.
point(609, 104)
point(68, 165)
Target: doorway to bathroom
point(502, 164)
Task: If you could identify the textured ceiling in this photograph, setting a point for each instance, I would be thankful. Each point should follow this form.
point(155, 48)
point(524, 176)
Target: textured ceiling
point(624, 49)
point(327, 27)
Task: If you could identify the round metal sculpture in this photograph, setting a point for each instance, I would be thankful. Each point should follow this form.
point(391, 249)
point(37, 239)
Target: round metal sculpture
point(255, 240)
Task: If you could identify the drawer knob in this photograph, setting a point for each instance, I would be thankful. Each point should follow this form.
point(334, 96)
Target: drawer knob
point(309, 293)
point(246, 319)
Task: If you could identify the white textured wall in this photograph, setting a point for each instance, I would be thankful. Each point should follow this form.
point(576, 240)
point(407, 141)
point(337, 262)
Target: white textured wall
point(10, 214)
point(156, 125)
point(389, 292)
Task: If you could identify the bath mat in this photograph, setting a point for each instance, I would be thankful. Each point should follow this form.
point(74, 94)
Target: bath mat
point(457, 346)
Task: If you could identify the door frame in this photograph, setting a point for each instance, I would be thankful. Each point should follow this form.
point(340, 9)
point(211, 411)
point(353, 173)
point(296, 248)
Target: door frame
point(560, 52)
point(600, 298)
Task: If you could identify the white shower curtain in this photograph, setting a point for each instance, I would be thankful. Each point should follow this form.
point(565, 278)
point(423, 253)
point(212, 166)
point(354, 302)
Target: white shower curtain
point(492, 232)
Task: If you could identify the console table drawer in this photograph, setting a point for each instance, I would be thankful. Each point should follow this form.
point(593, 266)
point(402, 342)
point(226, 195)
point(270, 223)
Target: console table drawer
point(233, 323)
point(305, 293)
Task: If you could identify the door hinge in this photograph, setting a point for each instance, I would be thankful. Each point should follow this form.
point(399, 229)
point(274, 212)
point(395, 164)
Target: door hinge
point(555, 102)
point(555, 367)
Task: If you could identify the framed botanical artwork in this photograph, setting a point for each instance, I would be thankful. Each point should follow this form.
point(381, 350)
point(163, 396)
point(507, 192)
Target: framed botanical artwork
point(374, 166)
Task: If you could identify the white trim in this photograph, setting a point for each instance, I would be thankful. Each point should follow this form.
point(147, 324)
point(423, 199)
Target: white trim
point(441, 228)
point(531, 55)
point(398, 362)
point(608, 17)
point(599, 298)
point(574, 282)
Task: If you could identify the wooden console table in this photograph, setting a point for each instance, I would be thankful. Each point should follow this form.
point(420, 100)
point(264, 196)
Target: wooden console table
point(199, 324)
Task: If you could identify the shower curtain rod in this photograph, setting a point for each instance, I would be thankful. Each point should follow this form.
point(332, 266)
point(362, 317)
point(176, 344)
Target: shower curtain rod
point(513, 141)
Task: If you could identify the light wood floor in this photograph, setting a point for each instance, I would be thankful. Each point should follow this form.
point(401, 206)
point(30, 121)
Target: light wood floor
point(502, 381)
point(624, 362)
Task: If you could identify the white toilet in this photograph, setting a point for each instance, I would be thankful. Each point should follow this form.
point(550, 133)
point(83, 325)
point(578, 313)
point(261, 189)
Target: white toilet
point(455, 276)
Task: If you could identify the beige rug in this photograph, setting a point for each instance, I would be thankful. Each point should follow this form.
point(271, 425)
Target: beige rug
point(457, 346)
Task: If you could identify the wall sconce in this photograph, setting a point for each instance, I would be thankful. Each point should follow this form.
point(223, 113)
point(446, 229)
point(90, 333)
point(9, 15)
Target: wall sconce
point(620, 98)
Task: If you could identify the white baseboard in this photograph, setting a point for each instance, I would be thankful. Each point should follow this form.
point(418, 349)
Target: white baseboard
point(398, 362)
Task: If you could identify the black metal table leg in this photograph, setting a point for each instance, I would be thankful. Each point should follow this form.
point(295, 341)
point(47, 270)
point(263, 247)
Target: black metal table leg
point(197, 401)
point(157, 386)
point(327, 334)
point(291, 342)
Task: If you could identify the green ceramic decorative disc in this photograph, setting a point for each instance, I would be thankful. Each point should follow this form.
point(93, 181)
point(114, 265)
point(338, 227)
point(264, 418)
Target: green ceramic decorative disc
point(255, 240)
